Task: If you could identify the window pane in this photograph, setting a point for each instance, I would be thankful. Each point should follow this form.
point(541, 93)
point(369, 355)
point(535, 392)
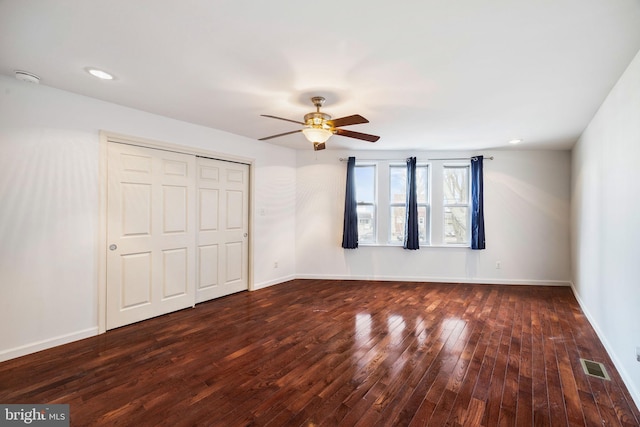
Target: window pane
point(422, 187)
point(397, 184)
point(365, 183)
point(456, 224)
point(397, 220)
point(422, 223)
point(366, 224)
point(456, 185)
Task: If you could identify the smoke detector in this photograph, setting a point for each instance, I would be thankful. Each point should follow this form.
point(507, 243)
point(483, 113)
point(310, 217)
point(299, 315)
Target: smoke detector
point(27, 77)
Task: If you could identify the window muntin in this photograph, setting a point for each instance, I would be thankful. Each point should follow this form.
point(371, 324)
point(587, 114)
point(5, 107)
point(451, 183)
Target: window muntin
point(456, 206)
point(365, 177)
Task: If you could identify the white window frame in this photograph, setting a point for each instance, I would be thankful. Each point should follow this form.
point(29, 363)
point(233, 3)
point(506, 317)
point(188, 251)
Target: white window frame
point(374, 204)
point(391, 205)
point(382, 205)
point(435, 206)
point(467, 240)
point(426, 204)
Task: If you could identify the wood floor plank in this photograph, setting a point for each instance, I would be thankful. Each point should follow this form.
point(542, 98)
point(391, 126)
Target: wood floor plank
point(464, 401)
point(509, 404)
point(541, 414)
point(352, 353)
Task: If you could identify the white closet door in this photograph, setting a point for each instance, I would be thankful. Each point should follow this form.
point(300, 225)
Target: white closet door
point(151, 261)
point(223, 226)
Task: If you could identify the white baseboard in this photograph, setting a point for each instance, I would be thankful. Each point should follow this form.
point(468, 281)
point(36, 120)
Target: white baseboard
point(23, 350)
point(272, 282)
point(635, 394)
point(487, 281)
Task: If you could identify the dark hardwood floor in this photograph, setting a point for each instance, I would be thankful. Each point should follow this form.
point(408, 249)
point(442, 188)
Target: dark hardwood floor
point(330, 353)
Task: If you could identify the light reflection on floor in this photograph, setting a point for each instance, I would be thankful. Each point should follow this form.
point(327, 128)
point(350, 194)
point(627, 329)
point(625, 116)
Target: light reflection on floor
point(396, 330)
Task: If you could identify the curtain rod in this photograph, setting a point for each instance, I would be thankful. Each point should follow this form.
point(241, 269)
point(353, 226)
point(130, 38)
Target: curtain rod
point(465, 158)
point(344, 159)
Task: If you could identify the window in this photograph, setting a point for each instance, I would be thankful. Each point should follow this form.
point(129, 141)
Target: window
point(456, 208)
point(444, 202)
point(365, 176)
point(397, 202)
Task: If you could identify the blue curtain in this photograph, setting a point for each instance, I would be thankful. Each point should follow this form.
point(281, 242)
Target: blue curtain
point(350, 229)
point(477, 204)
point(411, 233)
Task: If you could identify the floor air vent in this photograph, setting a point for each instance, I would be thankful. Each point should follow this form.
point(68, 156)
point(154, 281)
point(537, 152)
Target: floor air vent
point(594, 369)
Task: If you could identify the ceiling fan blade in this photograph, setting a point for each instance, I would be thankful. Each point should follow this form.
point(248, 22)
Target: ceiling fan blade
point(357, 135)
point(280, 134)
point(356, 119)
point(280, 118)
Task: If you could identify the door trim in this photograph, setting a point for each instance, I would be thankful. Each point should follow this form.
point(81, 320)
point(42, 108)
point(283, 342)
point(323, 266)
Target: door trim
point(106, 138)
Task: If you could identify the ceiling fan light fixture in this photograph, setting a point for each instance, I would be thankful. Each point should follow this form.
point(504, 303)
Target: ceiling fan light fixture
point(317, 134)
point(318, 126)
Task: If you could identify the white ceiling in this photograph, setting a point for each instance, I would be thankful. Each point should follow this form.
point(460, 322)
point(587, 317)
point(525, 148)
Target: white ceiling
point(428, 74)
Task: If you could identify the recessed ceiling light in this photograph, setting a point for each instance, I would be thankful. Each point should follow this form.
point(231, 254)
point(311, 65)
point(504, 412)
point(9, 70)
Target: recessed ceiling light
point(26, 76)
point(515, 141)
point(99, 73)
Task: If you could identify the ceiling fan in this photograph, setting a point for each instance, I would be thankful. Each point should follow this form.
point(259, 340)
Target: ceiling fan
point(318, 126)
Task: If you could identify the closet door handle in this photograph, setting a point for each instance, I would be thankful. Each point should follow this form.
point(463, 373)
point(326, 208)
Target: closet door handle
point(113, 247)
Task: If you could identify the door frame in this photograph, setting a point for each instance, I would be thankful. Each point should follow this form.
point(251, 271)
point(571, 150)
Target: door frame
point(107, 137)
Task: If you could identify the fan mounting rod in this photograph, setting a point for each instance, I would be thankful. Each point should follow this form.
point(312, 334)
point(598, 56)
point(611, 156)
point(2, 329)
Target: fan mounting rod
point(318, 101)
point(317, 119)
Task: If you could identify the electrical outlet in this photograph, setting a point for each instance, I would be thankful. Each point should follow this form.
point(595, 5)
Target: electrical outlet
point(498, 265)
point(275, 264)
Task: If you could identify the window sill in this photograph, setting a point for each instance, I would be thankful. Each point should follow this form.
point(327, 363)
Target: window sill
point(422, 246)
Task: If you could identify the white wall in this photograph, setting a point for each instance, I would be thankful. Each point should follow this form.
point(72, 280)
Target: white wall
point(527, 205)
point(49, 207)
point(606, 224)
point(49, 214)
